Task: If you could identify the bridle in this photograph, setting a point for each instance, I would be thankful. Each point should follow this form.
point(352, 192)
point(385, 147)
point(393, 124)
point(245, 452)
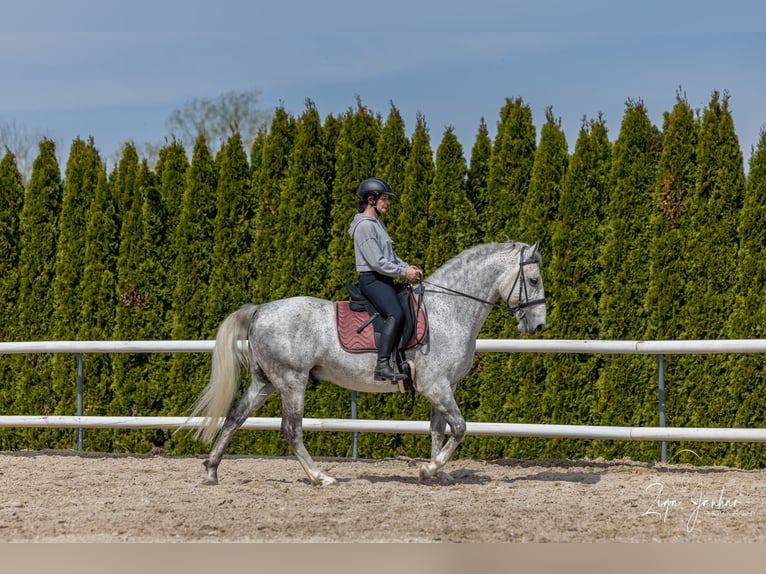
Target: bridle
point(519, 280)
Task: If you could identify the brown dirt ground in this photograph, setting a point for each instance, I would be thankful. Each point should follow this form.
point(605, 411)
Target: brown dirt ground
point(59, 496)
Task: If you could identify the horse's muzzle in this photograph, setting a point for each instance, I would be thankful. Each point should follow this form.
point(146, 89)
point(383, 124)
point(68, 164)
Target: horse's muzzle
point(528, 328)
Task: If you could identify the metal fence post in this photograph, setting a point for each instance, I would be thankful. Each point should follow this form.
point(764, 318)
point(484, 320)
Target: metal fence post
point(661, 393)
point(355, 434)
point(78, 356)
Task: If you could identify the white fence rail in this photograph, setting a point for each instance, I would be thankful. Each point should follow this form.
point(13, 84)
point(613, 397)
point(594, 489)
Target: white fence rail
point(656, 348)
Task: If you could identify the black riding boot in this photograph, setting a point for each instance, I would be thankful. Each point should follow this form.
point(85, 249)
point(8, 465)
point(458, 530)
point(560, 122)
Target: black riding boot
point(389, 335)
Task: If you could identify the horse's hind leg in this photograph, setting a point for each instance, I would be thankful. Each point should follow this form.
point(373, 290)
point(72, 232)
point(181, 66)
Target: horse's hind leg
point(292, 428)
point(252, 399)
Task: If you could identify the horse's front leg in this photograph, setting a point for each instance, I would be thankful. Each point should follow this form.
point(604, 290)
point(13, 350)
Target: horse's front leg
point(444, 410)
point(438, 428)
point(292, 430)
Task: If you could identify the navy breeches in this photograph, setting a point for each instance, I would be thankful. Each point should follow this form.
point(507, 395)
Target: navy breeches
point(380, 290)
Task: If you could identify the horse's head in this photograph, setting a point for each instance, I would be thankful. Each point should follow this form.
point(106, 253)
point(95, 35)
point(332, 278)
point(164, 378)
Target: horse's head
point(523, 284)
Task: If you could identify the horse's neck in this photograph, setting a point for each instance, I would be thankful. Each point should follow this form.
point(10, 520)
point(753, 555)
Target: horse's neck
point(474, 273)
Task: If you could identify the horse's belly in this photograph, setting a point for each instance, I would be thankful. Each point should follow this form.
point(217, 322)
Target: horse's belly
point(354, 379)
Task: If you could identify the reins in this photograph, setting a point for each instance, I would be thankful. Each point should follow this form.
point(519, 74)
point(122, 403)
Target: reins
point(513, 309)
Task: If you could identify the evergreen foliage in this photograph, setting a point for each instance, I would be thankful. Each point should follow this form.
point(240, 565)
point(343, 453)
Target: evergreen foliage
point(410, 232)
point(393, 149)
point(268, 182)
point(11, 202)
point(626, 395)
point(304, 210)
point(97, 316)
point(82, 173)
point(354, 162)
point(657, 238)
point(232, 271)
point(510, 168)
point(32, 384)
point(135, 393)
point(477, 178)
point(194, 248)
point(748, 319)
point(576, 280)
point(525, 373)
point(711, 251)
point(452, 222)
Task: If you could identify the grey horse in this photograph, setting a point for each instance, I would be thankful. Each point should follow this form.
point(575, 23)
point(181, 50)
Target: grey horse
point(293, 340)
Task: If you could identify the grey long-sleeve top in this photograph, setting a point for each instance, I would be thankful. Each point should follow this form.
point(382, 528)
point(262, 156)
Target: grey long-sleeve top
point(373, 247)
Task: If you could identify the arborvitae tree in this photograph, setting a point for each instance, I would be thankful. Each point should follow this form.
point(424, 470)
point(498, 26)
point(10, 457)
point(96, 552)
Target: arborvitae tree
point(33, 390)
point(626, 396)
point(510, 169)
point(393, 149)
point(304, 210)
point(576, 282)
point(331, 129)
point(268, 182)
point(541, 205)
point(478, 174)
point(194, 241)
point(748, 320)
point(410, 230)
point(82, 173)
point(132, 392)
point(354, 161)
point(451, 219)
point(714, 209)
point(675, 180)
point(155, 271)
point(11, 202)
point(524, 374)
point(256, 156)
point(171, 174)
point(194, 245)
point(233, 236)
point(97, 316)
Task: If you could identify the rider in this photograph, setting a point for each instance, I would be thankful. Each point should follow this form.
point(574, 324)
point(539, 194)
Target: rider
point(378, 265)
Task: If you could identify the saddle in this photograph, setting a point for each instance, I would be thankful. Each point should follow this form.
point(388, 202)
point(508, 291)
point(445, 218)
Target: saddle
point(358, 322)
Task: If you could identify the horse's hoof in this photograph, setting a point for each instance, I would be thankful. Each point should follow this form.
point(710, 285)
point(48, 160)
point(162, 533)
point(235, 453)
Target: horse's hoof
point(211, 476)
point(445, 478)
point(424, 474)
point(327, 481)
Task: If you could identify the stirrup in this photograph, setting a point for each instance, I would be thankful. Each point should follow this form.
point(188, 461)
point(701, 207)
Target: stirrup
point(384, 372)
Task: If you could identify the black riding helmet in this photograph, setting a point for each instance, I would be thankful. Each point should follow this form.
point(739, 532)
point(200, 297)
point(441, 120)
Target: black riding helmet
point(374, 186)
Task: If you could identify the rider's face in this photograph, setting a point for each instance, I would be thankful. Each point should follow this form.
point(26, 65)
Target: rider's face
point(382, 202)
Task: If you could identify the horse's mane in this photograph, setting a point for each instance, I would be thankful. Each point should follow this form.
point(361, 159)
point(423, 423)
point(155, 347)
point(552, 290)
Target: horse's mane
point(469, 258)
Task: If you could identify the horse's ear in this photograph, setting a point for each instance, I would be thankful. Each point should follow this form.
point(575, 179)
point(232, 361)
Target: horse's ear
point(534, 248)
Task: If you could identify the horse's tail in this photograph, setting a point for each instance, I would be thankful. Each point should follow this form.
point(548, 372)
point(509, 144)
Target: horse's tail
point(228, 359)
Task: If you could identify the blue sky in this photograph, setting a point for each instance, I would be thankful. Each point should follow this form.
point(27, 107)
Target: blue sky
point(115, 70)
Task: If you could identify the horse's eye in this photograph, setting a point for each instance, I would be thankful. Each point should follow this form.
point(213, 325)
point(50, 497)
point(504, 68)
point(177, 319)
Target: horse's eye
point(534, 281)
